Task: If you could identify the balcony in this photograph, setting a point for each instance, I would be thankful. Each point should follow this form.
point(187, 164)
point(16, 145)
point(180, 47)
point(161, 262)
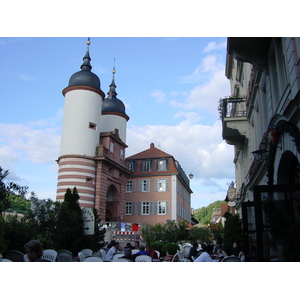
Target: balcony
point(235, 123)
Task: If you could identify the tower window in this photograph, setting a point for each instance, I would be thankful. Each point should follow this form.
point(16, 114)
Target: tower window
point(92, 126)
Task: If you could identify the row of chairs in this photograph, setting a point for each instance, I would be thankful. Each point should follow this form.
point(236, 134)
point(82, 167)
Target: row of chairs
point(85, 255)
point(48, 255)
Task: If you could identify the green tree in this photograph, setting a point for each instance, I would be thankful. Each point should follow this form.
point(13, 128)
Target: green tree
point(233, 231)
point(43, 214)
point(7, 189)
point(200, 233)
point(69, 227)
point(2, 238)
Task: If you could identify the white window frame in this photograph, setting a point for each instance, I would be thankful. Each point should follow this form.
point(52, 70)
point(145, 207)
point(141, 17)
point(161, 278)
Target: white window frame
point(146, 165)
point(161, 185)
point(161, 165)
point(144, 185)
point(130, 186)
point(145, 208)
point(129, 209)
point(161, 207)
point(122, 153)
point(111, 147)
point(131, 166)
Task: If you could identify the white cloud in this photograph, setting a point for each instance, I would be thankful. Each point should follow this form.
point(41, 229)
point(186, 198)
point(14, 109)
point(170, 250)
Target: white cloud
point(159, 96)
point(215, 46)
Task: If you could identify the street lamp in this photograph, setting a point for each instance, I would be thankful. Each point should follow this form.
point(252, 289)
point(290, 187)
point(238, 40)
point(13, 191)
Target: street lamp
point(260, 154)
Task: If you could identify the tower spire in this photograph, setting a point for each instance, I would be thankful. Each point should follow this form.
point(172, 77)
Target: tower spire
point(112, 91)
point(86, 66)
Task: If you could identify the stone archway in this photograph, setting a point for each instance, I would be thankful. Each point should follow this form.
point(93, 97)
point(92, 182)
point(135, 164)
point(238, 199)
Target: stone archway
point(287, 169)
point(112, 204)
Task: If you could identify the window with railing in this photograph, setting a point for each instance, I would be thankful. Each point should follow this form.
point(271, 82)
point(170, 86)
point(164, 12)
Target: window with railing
point(232, 107)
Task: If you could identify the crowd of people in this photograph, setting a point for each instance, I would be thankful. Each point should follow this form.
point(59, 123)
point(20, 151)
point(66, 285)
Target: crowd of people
point(114, 247)
point(197, 253)
point(214, 253)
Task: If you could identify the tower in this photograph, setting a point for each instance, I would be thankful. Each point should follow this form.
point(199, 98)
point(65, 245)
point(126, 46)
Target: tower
point(113, 112)
point(92, 153)
point(80, 133)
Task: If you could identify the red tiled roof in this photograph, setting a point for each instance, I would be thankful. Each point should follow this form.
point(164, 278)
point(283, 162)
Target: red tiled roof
point(152, 152)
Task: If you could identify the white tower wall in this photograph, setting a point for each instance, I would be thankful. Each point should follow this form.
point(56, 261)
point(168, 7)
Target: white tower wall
point(111, 122)
point(81, 123)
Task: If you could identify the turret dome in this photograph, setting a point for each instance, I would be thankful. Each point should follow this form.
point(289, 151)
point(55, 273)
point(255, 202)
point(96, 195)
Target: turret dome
point(85, 77)
point(112, 103)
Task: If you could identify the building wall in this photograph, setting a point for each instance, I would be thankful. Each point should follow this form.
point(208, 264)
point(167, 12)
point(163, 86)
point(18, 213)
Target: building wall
point(82, 110)
point(168, 186)
point(111, 122)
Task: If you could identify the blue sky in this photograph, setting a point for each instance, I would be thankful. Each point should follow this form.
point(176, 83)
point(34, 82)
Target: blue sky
point(170, 87)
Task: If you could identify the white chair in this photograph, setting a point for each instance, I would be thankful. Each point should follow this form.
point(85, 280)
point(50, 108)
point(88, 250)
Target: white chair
point(64, 256)
point(143, 258)
point(116, 256)
point(49, 254)
point(186, 250)
point(123, 259)
point(134, 251)
point(181, 257)
point(5, 260)
point(81, 257)
point(93, 259)
point(87, 252)
point(231, 259)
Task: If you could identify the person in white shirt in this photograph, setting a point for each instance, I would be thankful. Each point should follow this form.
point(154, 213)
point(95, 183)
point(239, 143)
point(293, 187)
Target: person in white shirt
point(112, 250)
point(206, 255)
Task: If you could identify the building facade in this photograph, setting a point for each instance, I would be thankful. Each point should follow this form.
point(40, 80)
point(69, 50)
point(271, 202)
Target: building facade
point(158, 190)
point(262, 121)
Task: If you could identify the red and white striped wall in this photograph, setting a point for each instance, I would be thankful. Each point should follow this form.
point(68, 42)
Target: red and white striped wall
point(80, 172)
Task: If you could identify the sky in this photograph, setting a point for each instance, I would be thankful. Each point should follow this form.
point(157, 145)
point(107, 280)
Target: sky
point(170, 88)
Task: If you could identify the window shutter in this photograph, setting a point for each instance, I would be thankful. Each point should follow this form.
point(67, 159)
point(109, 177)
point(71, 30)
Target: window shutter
point(140, 185)
point(148, 185)
point(167, 207)
point(167, 184)
point(140, 208)
point(156, 185)
point(155, 208)
point(133, 207)
point(133, 185)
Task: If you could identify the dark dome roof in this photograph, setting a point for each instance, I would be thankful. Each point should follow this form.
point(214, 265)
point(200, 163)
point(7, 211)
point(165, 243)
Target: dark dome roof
point(113, 105)
point(86, 78)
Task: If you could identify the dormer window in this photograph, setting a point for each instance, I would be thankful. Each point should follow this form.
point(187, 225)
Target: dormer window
point(161, 165)
point(146, 166)
point(111, 147)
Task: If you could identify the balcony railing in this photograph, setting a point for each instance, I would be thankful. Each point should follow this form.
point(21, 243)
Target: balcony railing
point(232, 107)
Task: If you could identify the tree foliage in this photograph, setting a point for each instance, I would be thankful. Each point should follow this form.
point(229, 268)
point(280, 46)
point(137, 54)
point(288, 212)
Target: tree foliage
point(7, 189)
point(69, 233)
point(233, 231)
point(203, 215)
